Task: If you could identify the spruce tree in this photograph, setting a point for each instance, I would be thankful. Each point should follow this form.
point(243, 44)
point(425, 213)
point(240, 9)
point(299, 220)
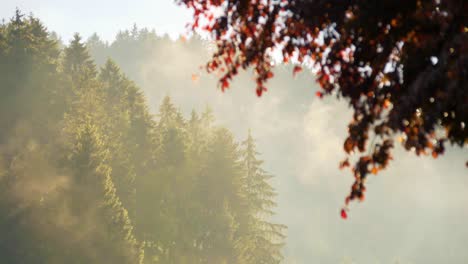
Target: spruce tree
point(218, 191)
point(116, 89)
point(261, 241)
point(110, 232)
point(163, 189)
point(77, 62)
point(28, 61)
point(98, 49)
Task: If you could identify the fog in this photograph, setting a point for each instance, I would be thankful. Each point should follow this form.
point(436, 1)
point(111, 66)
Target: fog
point(414, 211)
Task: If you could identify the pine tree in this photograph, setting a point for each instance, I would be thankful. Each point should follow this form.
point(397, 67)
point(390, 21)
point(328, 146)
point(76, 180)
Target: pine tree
point(259, 192)
point(28, 61)
point(218, 191)
point(164, 188)
point(98, 49)
point(133, 144)
point(111, 232)
point(261, 241)
point(116, 88)
point(29, 116)
point(94, 183)
point(84, 94)
point(77, 62)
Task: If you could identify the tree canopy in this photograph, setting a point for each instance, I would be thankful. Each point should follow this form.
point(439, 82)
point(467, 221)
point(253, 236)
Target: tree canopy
point(401, 65)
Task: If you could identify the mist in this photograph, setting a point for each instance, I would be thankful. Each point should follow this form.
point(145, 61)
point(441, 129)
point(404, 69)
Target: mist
point(81, 199)
point(414, 211)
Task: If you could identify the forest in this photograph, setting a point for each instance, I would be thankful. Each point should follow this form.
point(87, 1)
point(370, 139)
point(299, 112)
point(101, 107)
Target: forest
point(89, 175)
point(233, 131)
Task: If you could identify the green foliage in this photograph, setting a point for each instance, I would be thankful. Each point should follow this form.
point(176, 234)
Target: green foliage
point(261, 241)
point(77, 62)
point(88, 175)
point(94, 195)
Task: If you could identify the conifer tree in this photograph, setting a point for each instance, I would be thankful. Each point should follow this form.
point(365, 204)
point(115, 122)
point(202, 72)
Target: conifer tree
point(84, 95)
point(77, 62)
point(95, 196)
point(262, 241)
point(168, 180)
point(28, 60)
point(98, 49)
point(116, 89)
point(218, 191)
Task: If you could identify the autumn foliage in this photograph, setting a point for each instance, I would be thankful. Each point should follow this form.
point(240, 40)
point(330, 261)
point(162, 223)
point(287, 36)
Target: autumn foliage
point(401, 64)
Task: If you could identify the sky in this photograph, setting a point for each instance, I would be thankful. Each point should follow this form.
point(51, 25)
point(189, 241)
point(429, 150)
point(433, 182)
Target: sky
point(106, 17)
point(415, 211)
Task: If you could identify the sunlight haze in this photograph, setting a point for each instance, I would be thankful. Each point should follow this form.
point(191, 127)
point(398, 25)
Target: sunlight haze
point(415, 210)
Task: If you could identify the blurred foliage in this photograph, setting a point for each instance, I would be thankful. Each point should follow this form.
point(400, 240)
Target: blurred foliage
point(401, 65)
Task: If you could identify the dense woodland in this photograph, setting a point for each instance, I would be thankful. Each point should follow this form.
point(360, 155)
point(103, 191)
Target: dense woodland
point(89, 175)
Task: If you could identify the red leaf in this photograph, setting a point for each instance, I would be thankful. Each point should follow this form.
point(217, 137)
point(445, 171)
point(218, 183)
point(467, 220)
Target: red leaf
point(323, 79)
point(362, 197)
point(224, 85)
point(259, 92)
point(349, 145)
point(319, 95)
point(347, 200)
point(386, 103)
point(344, 164)
point(344, 215)
point(296, 70)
